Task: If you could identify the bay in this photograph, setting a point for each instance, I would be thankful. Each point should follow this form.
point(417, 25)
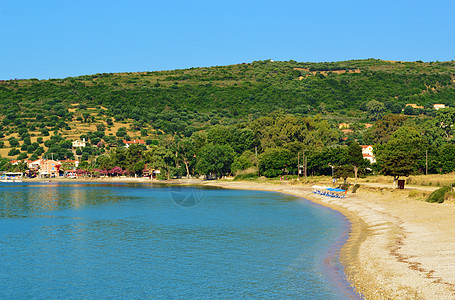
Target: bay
point(96, 240)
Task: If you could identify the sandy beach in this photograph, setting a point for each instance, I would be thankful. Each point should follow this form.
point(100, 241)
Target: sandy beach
point(400, 247)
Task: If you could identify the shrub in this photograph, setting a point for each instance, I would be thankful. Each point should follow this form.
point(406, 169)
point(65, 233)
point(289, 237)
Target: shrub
point(13, 142)
point(438, 195)
point(344, 186)
point(151, 142)
point(121, 132)
point(23, 155)
point(13, 152)
point(355, 187)
point(248, 176)
point(45, 132)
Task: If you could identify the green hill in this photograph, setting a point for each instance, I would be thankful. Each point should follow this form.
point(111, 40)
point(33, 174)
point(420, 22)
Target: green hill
point(185, 101)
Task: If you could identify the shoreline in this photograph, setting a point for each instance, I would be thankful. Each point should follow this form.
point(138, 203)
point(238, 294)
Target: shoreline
point(395, 249)
point(348, 249)
point(398, 247)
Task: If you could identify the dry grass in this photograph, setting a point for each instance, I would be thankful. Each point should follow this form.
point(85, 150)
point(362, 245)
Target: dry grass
point(418, 195)
point(432, 180)
point(4, 152)
point(414, 180)
point(78, 128)
point(252, 170)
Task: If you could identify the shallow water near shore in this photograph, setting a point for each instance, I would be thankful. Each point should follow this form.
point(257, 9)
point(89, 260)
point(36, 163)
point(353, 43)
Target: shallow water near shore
point(92, 240)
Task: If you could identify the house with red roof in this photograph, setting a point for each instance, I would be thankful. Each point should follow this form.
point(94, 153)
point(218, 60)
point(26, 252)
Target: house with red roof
point(128, 143)
point(367, 152)
point(34, 164)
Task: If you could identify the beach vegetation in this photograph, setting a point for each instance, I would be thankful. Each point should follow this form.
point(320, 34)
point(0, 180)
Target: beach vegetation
point(247, 176)
point(355, 158)
point(355, 187)
point(215, 160)
point(400, 156)
point(438, 196)
point(344, 186)
point(243, 162)
point(344, 172)
point(275, 162)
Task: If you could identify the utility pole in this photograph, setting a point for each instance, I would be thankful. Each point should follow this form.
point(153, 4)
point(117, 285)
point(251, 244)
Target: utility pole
point(298, 166)
point(333, 179)
point(426, 162)
point(257, 160)
point(305, 164)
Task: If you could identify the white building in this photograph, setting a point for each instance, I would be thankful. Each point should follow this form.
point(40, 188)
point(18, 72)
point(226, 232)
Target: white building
point(79, 143)
point(367, 152)
point(438, 106)
point(35, 164)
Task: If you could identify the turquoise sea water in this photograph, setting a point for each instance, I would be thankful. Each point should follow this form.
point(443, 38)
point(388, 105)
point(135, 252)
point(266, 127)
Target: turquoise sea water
point(81, 240)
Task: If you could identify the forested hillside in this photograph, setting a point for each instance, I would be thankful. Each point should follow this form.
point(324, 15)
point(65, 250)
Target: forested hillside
point(172, 100)
point(278, 105)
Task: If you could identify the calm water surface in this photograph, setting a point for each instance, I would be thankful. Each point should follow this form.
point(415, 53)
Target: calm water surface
point(141, 241)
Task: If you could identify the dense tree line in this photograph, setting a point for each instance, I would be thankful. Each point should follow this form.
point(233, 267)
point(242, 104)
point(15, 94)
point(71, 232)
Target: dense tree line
point(270, 146)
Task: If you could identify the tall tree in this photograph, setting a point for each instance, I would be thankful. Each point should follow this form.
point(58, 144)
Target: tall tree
point(215, 159)
point(445, 119)
point(343, 171)
point(186, 154)
point(273, 162)
point(355, 158)
point(400, 156)
point(160, 158)
point(375, 109)
point(384, 128)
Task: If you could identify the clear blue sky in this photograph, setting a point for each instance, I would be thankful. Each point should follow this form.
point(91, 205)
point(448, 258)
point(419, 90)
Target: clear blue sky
point(56, 39)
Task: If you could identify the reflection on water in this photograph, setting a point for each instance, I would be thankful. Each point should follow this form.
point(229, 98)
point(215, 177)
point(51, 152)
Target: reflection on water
point(22, 200)
point(139, 241)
